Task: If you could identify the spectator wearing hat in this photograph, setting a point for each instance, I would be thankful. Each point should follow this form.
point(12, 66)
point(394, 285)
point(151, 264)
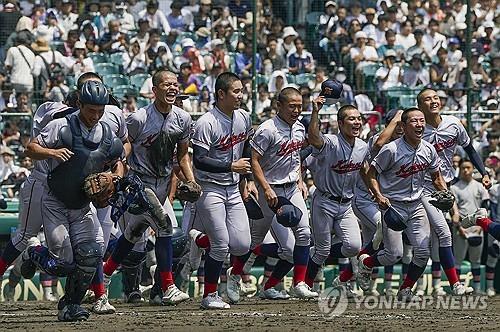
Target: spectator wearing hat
point(192, 55)
point(127, 22)
point(458, 98)
point(443, 97)
point(391, 74)
point(202, 19)
point(405, 37)
point(369, 26)
point(155, 17)
point(67, 19)
point(362, 55)
point(460, 29)
point(19, 62)
point(487, 37)
point(25, 24)
point(114, 41)
point(244, 61)
point(419, 48)
point(179, 20)
point(7, 166)
point(328, 19)
point(79, 62)
point(390, 44)
point(286, 45)
point(88, 30)
point(48, 63)
point(217, 55)
point(301, 61)
point(416, 75)
point(188, 82)
point(102, 20)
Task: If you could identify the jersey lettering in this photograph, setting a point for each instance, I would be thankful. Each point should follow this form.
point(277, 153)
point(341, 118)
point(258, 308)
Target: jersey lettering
point(289, 147)
point(407, 170)
point(440, 146)
point(345, 166)
point(149, 140)
point(228, 141)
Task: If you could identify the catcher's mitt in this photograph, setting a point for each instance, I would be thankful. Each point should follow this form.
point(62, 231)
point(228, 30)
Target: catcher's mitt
point(443, 200)
point(100, 187)
point(188, 191)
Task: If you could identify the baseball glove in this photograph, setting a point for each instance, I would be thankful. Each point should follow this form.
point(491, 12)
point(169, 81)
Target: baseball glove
point(443, 200)
point(188, 191)
point(100, 187)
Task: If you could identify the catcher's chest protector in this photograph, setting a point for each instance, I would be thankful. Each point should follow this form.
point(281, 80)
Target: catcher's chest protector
point(66, 180)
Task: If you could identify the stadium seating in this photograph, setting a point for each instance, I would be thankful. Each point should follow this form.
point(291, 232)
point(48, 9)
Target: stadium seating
point(98, 57)
point(138, 80)
point(113, 81)
point(106, 69)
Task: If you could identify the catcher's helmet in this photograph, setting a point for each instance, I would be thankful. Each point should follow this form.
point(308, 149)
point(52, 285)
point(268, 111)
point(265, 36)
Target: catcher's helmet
point(394, 220)
point(94, 93)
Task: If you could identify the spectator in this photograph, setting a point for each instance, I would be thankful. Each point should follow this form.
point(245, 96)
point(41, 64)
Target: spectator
point(192, 55)
point(301, 61)
point(24, 24)
point(209, 82)
point(362, 55)
point(239, 8)
point(188, 82)
point(244, 61)
point(202, 18)
point(488, 38)
point(416, 75)
point(19, 62)
point(356, 13)
point(178, 20)
point(347, 96)
point(319, 78)
point(163, 59)
point(263, 99)
point(155, 17)
point(136, 7)
point(458, 99)
point(439, 71)
point(478, 74)
point(419, 48)
point(79, 63)
point(459, 11)
point(286, 45)
point(88, 30)
point(154, 44)
point(126, 19)
point(433, 41)
point(390, 75)
point(405, 37)
point(134, 61)
point(369, 27)
point(143, 34)
point(277, 60)
point(379, 37)
point(277, 82)
point(129, 104)
point(114, 41)
point(443, 97)
point(392, 20)
point(56, 89)
point(390, 37)
point(102, 20)
point(9, 17)
point(53, 30)
point(67, 47)
point(205, 100)
point(327, 20)
point(47, 63)
point(67, 18)
point(7, 167)
point(434, 12)
point(217, 56)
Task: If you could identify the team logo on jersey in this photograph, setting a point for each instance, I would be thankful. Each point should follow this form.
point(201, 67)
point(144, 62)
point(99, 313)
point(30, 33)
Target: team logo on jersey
point(440, 146)
point(148, 141)
point(228, 141)
point(346, 166)
point(407, 170)
point(289, 147)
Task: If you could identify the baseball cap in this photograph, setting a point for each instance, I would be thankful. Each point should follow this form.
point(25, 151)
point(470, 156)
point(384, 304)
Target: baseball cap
point(8, 151)
point(253, 208)
point(390, 53)
point(360, 34)
point(390, 115)
point(331, 89)
point(187, 42)
point(185, 65)
point(287, 214)
point(454, 40)
point(79, 45)
point(330, 3)
point(394, 220)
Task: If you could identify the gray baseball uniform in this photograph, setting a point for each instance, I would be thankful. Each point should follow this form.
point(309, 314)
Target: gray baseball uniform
point(469, 197)
point(335, 169)
point(220, 207)
point(402, 171)
point(445, 138)
point(279, 145)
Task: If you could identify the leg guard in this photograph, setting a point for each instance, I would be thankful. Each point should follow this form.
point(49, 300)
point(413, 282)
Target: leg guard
point(46, 262)
point(132, 271)
point(87, 256)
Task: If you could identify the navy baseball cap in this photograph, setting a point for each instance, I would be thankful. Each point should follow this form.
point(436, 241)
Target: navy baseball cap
point(394, 220)
point(287, 214)
point(253, 208)
point(331, 89)
point(390, 115)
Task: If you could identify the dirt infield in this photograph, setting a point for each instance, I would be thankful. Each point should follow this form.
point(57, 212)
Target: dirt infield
point(252, 314)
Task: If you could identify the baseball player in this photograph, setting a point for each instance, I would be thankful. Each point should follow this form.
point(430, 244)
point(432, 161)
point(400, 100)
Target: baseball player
point(396, 178)
point(470, 195)
point(154, 132)
point(276, 147)
point(68, 220)
point(335, 169)
point(445, 132)
point(220, 154)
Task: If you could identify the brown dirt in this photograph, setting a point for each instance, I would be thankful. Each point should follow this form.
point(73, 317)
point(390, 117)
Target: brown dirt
point(252, 314)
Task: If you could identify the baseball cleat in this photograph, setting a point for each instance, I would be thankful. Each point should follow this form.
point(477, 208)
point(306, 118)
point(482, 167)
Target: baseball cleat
point(102, 306)
point(470, 220)
point(134, 297)
point(173, 296)
point(233, 286)
point(48, 295)
point(28, 268)
point(273, 294)
point(302, 291)
point(459, 289)
point(213, 302)
point(193, 234)
point(247, 288)
point(72, 313)
point(344, 287)
point(438, 291)
point(364, 276)
point(155, 295)
point(406, 295)
point(490, 292)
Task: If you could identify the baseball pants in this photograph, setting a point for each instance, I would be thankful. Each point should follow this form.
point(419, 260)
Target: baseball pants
point(368, 214)
point(460, 248)
point(438, 222)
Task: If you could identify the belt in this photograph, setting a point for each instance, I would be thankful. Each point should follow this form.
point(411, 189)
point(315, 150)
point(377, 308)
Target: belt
point(284, 185)
point(337, 199)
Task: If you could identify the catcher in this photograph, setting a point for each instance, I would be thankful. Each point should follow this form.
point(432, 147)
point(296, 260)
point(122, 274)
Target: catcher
point(75, 148)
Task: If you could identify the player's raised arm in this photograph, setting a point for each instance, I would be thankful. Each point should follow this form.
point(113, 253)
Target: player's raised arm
point(314, 135)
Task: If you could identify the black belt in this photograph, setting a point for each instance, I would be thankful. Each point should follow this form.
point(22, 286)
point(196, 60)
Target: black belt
point(337, 199)
point(284, 185)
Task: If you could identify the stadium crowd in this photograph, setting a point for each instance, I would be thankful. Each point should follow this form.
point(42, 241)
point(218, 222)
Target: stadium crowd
point(383, 52)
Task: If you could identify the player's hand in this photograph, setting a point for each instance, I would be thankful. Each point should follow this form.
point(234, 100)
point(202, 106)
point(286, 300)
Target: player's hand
point(241, 166)
point(271, 198)
point(461, 231)
point(383, 202)
point(486, 181)
point(303, 189)
point(62, 154)
point(252, 189)
point(317, 103)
